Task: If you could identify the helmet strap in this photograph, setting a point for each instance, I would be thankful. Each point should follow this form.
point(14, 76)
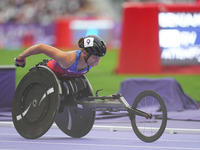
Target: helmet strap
point(87, 57)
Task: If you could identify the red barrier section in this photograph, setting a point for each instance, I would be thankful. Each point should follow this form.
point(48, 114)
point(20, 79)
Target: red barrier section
point(139, 51)
point(28, 40)
point(62, 34)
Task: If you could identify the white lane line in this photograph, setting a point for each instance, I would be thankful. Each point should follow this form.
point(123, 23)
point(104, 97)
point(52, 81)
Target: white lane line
point(128, 128)
point(103, 145)
point(116, 138)
point(9, 149)
point(136, 139)
point(119, 128)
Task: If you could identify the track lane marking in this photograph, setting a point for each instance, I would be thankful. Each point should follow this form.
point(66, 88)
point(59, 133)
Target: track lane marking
point(103, 145)
point(113, 138)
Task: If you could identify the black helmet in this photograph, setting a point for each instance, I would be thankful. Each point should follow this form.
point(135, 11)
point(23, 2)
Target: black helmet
point(94, 45)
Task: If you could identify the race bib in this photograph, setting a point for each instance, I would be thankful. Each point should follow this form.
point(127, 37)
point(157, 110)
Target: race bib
point(88, 42)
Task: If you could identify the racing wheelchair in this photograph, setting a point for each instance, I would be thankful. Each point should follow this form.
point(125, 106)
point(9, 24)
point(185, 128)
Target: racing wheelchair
point(42, 99)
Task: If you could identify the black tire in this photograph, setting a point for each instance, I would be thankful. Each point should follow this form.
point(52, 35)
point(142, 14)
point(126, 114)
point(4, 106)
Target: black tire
point(36, 102)
point(77, 121)
point(152, 101)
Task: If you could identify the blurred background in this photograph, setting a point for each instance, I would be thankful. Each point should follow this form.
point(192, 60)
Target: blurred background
point(27, 22)
point(145, 38)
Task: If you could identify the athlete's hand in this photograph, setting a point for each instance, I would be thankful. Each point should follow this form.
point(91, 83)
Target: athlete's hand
point(20, 62)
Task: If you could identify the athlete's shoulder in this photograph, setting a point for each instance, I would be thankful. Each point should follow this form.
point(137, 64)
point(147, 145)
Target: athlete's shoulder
point(70, 54)
point(67, 59)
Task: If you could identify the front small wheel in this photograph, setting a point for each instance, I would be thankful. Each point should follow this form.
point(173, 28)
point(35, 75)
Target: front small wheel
point(149, 129)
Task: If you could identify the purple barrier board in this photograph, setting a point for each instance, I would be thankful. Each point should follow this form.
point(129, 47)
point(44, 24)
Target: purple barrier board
point(168, 88)
point(7, 87)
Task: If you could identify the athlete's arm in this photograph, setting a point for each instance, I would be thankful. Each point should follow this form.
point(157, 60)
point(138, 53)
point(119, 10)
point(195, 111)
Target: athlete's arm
point(50, 51)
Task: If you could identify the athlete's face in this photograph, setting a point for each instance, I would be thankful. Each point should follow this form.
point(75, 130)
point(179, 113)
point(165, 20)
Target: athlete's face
point(93, 60)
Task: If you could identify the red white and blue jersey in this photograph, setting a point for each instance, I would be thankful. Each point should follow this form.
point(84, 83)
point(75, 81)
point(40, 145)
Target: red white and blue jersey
point(71, 71)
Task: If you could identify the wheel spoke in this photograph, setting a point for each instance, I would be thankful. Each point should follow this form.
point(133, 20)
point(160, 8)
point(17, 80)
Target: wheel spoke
point(149, 130)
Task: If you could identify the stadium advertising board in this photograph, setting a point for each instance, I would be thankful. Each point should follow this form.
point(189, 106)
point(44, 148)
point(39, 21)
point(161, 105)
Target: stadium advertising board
point(179, 38)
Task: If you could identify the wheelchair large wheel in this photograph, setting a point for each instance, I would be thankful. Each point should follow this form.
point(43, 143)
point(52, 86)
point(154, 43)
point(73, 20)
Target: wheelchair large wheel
point(35, 103)
point(76, 121)
point(151, 129)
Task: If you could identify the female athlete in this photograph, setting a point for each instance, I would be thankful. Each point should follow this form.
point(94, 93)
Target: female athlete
point(72, 63)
